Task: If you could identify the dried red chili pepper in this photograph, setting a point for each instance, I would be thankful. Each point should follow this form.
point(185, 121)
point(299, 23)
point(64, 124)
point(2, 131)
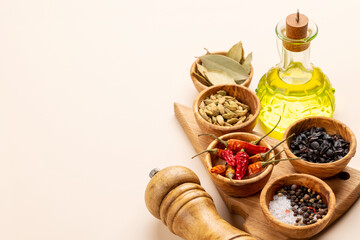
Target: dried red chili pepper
point(258, 166)
point(242, 162)
point(236, 145)
point(229, 157)
point(226, 154)
point(230, 172)
point(219, 169)
point(261, 156)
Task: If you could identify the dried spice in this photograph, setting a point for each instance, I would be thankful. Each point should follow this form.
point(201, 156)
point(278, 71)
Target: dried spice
point(226, 64)
point(236, 52)
point(234, 162)
point(242, 163)
point(217, 77)
point(317, 146)
point(307, 206)
point(223, 110)
point(219, 169)
point(219, 69)
point(259, 166)
point(230, 172)
point(238, 145)
point(247, 62)
point(262, 156)
point(225, 154)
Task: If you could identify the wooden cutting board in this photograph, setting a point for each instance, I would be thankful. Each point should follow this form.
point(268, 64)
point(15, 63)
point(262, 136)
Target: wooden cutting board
point(346, 191)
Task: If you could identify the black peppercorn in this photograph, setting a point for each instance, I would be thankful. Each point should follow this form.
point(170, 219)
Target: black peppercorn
point(306, 197)
point(315, 145)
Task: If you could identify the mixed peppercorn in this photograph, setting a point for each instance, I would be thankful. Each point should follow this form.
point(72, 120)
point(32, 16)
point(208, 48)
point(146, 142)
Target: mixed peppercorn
point(307, 205)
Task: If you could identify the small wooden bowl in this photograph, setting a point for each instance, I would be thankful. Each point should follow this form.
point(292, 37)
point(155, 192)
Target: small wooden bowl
point(243, 94)
point(239, 188)
point(315, 184)
point(331, 126)
point(200, 87)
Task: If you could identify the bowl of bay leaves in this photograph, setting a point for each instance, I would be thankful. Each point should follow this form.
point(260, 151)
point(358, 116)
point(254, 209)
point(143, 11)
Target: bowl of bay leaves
point(222, 68)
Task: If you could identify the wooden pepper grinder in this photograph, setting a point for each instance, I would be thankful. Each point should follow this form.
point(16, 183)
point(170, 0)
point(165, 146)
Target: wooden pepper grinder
point(175, 196)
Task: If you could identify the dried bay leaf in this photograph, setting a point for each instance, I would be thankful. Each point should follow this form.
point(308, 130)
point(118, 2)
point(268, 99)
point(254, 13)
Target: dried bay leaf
point(235, 52)
point(240, 81)
point(202, 70)
point(202, 79)
point(202, 76)
point(247, 62)
point(225, 64)
point(217, 77)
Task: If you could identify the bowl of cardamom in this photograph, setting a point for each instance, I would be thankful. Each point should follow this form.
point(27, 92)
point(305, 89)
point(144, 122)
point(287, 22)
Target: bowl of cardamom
point(225, 109)
point(220, 68)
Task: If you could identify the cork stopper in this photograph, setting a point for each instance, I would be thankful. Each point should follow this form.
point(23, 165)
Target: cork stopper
point(296, 28)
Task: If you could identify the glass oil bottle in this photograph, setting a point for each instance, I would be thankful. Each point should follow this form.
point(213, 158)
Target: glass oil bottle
point(294, 88)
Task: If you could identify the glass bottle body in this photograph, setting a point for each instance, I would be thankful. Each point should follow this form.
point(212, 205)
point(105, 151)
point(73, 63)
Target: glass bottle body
point(293, 89)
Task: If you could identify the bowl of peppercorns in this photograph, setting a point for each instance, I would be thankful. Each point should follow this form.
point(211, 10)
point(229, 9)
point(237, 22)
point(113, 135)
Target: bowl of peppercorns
point(325, 146)
point(298, 205)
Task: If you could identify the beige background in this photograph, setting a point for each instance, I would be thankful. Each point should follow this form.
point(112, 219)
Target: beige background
point(86, 103)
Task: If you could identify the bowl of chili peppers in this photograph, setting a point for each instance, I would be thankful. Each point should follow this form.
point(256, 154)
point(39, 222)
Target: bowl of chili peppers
point(236, 163)
point(324, 144)
point(220, 118)
point(309, 197)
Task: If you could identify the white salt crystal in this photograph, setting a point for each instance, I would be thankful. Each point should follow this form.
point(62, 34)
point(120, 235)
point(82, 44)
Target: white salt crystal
point(280, 208)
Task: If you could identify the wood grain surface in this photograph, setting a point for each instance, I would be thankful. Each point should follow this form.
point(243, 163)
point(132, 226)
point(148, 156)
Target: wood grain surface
point(346, 191)
point(175, 196)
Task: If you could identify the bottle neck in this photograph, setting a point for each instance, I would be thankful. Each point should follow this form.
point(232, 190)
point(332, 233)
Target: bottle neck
point(295, 67)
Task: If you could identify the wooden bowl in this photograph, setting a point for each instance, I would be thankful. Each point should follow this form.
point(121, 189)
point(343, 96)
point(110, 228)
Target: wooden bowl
point(239, 188)
point(200, 87)
point(305, 180)
point(331, 126)
point(243, 94)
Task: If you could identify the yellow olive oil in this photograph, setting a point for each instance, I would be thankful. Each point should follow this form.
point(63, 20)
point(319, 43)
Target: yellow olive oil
point(293, 93)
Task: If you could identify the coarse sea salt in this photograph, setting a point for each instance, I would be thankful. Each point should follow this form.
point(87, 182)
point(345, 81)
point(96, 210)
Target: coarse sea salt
point(280, 208)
